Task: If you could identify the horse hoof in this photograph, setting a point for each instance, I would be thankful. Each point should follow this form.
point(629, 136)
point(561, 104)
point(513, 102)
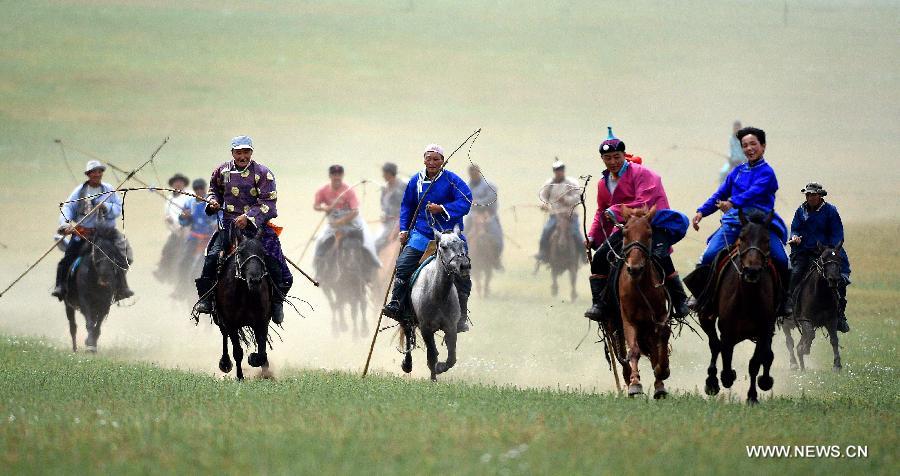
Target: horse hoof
point(765, 382)
point(752, 401)
point(660, 393)
point(257, 360)
point(635, 389)
point(225, 365)
point(91, 348)
point(728, 377)
point(837, 369)
point(794, 366)
point(441, 367)
point(712, 386)
point(407, 364)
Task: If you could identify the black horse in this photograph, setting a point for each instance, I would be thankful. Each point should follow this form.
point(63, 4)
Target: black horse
point(91, 288)
point(818, 305)
point(243, 300)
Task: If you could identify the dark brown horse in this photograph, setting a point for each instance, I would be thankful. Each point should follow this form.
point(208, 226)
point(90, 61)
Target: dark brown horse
point(565, 253)
point(745, 308)
point(243, 301)
point(91, 287)
point(643, 304)
point(817, 306)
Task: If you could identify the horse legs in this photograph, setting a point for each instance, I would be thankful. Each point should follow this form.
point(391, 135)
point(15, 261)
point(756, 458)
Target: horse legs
point(728, 375)
point(73, 327)
point(753, 370)
point(807, 334)
point(431, 350)
point(766, 381)
point(409, 337)
point(487, 282)
point(450, 341)
point(572, 280)
point(634, 354)
point(709, 327)
point(259, 358)
point(786, 326)
point(224, 362)
point(238, 352)
point(554, 287)
point(661, 363)
point(833, 337)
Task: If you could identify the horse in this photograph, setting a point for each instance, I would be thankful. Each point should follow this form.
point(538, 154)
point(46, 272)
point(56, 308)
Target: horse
point(565, 253)
point(485, 249)
point(643, 303)
point(435, 303)
point(243, 300)
point(817, 306)
point(345, 279)
point(745, 308)
point(91, 288)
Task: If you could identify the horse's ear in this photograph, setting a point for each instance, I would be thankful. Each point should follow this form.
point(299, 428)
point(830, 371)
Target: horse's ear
point(259, 232)
point(839, 246)
point(456, 229)
point(742, 217)
point(651, 213)
point(770, 217)
point(820, 247)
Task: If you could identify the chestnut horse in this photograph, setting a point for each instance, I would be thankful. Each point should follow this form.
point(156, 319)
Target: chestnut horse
point(643, 303)
point(746, 306)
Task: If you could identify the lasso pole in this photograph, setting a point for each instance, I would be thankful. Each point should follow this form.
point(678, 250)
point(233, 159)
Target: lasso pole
point(412, 220)
point(613, 358)
point(89, 213)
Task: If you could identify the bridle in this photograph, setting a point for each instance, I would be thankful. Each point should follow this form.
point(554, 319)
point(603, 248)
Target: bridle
point(241, 263)
point(446, 265)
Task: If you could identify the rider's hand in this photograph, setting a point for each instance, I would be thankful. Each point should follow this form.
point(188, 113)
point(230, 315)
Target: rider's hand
point(67, 229)
point(186, 213)
point(587, 244)
point(696, 221)
point(241, 221)
point(434, 208)
point(545, 207)
point(213, 205)
point(725, 205)
point(403, 237)
point(795, 240)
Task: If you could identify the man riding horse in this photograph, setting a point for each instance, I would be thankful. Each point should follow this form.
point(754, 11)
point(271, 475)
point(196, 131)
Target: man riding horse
point(345, 225)
point(104, 217)
point(391, 196)
point(559, 195)
point(445, 200)
point(485, 203)
point(817, 223)
point(245, 191)
point(749, 188)
point(632, 185)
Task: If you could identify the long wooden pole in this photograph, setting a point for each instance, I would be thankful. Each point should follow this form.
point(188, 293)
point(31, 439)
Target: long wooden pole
point(613, 358)
point(89, 213)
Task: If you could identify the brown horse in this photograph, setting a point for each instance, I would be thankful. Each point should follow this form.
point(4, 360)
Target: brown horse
point(746, 305)
point(643, 304)
point(484, 251)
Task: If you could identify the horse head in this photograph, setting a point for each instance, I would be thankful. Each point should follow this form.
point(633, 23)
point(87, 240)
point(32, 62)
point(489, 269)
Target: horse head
point(637, 238)
point(753, 245)
point(105, 257)
point(249, 255)
point(830, 264)
point(451, 252)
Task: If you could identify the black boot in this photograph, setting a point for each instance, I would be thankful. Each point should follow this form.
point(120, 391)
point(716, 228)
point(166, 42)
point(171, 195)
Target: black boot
point(679, 297)
point(122, 290)
point(205, 292)
point(598, 285)
point(59, 291)
point(394, 308)
point(697, 282)
point(786, 306)
point(796, 276)
point(463, 325)
point(843, 325)
point(278, 298)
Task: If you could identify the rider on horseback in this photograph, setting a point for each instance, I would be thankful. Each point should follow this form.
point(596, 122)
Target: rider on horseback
point(485, 201)
point(559, 195)
point(632, 185)
point(751, 188)
point(245, 191)
point(447, 201)
point(104, 217)
point(817, 222)
point(345, 225)
point(391, 196)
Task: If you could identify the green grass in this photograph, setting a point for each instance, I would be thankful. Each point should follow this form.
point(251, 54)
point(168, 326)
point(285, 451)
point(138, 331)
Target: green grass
point(64, 413)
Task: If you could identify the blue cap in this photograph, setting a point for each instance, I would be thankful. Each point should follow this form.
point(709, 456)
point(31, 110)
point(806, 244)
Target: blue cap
point(242, 142)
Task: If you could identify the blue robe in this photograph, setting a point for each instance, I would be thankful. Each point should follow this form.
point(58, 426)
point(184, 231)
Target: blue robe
point(450, 191)
point(819, 226)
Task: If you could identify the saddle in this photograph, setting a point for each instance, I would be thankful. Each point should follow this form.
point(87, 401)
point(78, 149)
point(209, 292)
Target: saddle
point(704, 281)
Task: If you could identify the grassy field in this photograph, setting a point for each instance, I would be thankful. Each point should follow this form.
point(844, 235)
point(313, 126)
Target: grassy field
point(363, 82)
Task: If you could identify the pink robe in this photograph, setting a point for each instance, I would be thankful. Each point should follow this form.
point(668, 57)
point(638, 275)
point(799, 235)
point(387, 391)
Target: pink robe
point(638, 187)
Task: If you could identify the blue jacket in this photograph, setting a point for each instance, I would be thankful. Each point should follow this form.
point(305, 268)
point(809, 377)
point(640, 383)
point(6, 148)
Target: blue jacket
point(747, 187)
point(449, 191)
point(819, 226)
point(673, 222)
point(199, 221)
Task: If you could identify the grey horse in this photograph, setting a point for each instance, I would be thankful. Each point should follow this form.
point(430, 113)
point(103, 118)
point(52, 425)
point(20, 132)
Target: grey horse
point(435, 303)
